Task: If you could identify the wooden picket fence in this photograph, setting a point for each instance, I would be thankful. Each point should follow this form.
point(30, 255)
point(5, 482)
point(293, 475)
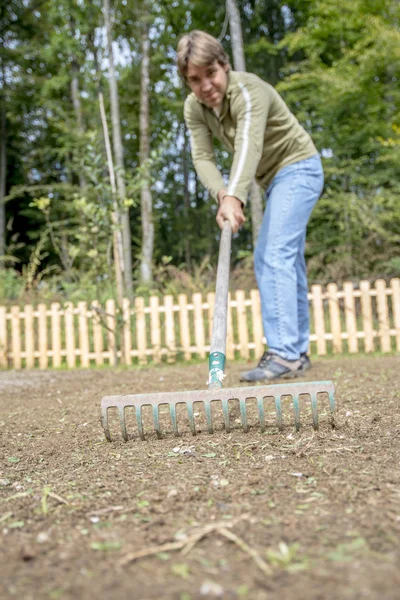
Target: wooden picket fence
point(354, 319)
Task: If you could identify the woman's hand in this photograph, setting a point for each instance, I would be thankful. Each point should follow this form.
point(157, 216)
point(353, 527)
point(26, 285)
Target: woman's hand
point(230, 209)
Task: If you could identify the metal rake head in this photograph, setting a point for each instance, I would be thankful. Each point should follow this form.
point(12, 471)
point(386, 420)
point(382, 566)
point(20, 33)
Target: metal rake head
point(172, 399)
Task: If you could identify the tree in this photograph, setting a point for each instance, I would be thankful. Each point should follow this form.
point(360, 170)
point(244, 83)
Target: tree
point(344, 89)
point(76, 100)
point(3, 167)
point(119, 155)
point(240, 65)
point(146, 267)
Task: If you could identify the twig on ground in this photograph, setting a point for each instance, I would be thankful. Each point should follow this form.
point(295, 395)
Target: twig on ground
point(247, 444)
point(103, 511)
point(302, 451)
point(6, 516)
point(190, 543)
point(17, 495)
point(261, 564)
point(185, 545)
point(351, 449)
point(57, 497)
point(132, 556)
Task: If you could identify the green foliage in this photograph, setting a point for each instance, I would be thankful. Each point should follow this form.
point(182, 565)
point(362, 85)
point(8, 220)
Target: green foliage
point(336, 65)
point(11, 285)
point(343, 88)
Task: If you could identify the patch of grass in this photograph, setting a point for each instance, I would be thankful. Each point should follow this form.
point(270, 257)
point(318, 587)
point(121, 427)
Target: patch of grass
point(288, 558)
point(105, 546)
point(181, 570)
point(346, 552)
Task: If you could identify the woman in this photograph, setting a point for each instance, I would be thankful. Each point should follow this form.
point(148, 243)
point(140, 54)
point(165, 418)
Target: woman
point(268, 143)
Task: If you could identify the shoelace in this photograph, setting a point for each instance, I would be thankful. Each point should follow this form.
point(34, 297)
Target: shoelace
point(264, 360)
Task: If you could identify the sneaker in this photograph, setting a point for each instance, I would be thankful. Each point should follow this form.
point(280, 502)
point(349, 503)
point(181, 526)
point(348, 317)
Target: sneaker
point(272, 366)
point(305, 361)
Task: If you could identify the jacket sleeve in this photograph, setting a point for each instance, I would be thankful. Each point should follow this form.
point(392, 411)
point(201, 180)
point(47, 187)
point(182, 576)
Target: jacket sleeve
point(249, 107)
point(202, 149)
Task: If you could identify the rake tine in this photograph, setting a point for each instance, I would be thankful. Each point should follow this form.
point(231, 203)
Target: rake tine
point(172, 412)
point(243, 415)
point(104, 422)
point(225, 410)
point(261, 413)
point(207, 407)
point(121, 414)
point(332, 401)
point(278, 408)
point(139, 422)
point(191, 418)
point(296, 409)
point(314, 408)
point(157, 421)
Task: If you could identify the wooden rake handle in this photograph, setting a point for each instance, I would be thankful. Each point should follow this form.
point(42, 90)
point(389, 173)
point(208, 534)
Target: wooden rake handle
point(219, 328)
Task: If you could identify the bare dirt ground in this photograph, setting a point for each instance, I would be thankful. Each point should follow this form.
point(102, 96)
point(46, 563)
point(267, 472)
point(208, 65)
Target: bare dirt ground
point(279, 515)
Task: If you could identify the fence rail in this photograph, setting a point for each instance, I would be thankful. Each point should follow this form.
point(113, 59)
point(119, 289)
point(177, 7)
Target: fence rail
point(365, 318)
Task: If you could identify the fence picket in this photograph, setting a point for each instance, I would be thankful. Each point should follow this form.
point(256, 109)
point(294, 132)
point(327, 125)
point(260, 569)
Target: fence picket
point(257, 322)
point(350, 314)
point(83, 334)
point(111, 332)
point(366, 311)
point(70, 334)
point(3, 338)
point(155, 333)
point(184, 328)
point(97, 333)
point(334, 317)
point(55, 335)
point(242, 324)
point(141, 330)
point(199, 324)
point(42, 335)
point(230, 348)
point(318, 316)
point(16, 337)
point(127, 331)
point(170, 340)
point(211, 306)
point(383, 315)
point(395, 287)
point(29, 337)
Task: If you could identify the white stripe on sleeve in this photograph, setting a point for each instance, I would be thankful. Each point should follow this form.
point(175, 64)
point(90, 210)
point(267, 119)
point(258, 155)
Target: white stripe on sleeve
point(245, 146)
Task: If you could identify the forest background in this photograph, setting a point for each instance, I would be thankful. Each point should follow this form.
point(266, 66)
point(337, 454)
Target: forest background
point(98, 195)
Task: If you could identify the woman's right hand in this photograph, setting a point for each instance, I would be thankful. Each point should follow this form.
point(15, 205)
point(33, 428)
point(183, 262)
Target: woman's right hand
point(231, 209)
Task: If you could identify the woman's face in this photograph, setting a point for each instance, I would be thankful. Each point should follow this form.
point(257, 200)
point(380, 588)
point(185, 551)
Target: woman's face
point(209, 83)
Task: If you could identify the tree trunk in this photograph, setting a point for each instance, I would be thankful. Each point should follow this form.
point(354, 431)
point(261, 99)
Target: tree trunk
point(76, 101)
point(239, 63)
point(117, 237)
point(146, 268)
point(119, 156)
point(186, 198)
point(3, 174)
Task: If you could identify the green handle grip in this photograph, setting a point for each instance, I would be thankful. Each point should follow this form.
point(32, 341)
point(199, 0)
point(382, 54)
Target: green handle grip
point(216, 365)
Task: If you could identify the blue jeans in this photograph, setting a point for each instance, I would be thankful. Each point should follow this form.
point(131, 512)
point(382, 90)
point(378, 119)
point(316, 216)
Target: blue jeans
point(279, 262)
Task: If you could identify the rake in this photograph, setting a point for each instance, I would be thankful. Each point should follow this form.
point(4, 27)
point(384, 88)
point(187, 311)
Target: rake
point(216, 375)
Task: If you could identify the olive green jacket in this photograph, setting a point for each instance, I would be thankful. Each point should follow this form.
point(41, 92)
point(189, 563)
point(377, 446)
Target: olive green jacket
point(256, 125)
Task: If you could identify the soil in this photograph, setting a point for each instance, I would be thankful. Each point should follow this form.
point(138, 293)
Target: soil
point(308, 514)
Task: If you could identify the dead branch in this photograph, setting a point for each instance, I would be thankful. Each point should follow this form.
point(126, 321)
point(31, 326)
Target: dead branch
point(261, 564)
point(185, 545)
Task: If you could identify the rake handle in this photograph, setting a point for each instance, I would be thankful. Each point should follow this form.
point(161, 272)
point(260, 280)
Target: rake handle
point(219, 328)
point(220, 318)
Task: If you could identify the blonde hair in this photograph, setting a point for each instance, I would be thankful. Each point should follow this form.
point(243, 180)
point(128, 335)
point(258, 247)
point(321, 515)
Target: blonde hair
point(201, 48)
